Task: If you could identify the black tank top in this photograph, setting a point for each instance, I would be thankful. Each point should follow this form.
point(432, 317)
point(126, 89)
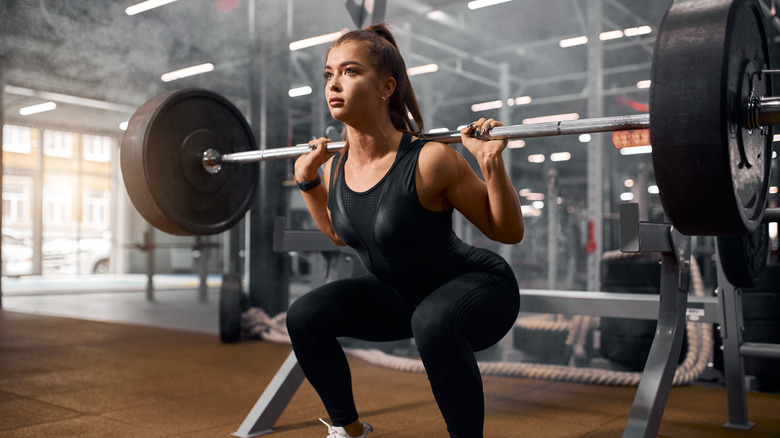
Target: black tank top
point(412, 249)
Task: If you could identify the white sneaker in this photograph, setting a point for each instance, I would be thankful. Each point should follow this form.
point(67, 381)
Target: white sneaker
point(339, 432)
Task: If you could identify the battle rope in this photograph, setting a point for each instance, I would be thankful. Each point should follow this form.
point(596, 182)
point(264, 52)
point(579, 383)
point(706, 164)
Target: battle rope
point(274, 329)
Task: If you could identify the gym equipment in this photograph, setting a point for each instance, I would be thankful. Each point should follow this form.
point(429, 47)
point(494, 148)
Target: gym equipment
point(188, 168)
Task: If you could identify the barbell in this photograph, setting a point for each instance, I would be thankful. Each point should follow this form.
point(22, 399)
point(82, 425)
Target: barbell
point(190, 167)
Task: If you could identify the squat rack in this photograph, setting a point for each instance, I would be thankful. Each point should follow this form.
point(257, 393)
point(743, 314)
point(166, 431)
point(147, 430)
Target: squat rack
point(672, 307)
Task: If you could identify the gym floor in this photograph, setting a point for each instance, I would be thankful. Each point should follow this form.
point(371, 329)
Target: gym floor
point(92, 357)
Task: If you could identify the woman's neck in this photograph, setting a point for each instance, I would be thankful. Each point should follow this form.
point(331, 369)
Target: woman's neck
point(373, 142)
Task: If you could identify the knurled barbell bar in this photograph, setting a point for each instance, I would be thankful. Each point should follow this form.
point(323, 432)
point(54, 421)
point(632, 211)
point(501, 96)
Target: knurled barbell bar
point(710, 121)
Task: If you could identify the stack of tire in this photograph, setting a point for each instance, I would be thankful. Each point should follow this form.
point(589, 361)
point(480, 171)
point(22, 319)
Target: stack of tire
point(626, 342)
point(761, 319)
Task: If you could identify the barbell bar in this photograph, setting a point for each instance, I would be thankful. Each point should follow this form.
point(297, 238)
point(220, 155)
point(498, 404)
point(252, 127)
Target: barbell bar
point(710, 123)
point(212, 160)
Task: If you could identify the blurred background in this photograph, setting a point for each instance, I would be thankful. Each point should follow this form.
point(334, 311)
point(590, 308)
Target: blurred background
point(73, 72)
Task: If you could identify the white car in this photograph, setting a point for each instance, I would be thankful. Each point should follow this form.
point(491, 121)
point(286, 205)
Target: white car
point(64, 256)
point(17, 254)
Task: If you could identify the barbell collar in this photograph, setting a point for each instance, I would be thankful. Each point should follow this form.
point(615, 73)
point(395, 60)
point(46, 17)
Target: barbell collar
point(767, 111)
point(546, 129)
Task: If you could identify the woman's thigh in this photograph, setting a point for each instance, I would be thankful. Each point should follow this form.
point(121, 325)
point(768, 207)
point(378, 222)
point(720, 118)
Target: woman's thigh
point(360, 307)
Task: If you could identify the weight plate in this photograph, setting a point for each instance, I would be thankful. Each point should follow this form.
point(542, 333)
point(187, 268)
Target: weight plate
point(712, 171)
point(230, 308)
point(743, 258)
point(161, 159)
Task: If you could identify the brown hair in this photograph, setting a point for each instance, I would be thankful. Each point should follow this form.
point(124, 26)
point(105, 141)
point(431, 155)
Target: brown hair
point(387, 59)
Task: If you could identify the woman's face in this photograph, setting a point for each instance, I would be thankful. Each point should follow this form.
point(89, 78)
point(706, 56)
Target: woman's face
point(353, 88)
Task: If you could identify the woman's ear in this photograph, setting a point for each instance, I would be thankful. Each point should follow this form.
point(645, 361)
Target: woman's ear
point(388, 86)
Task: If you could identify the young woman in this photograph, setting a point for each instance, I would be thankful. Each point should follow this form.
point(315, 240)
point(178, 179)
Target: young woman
point(390, 196)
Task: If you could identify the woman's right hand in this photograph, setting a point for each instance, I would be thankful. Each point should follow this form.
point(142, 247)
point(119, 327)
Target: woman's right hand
point(306, 165)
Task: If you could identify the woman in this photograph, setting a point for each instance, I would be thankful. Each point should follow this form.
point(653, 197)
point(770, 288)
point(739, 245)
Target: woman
point(390, 196)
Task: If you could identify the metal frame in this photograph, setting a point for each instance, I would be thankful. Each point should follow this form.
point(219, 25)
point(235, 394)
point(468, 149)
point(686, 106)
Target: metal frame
point(672, 307)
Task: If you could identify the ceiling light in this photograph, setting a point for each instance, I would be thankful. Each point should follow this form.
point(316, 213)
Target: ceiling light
point(626, 196)
point(552, 118)
point(186, 72)
point(776, 137)
point(522, 100)
point(536, 158)
point(515, 144)
point(643, 84)
point(537, 204)
point(35, 109)
point(145, 6)
point(636, 150)
point(628, 183)
point(315, 41)
point(585, 138)
point(571, 42)
point(773, 190)
point(611, 35)
point(560, 156)
point(484, 106)
point(653, 190)
point(634, 31)
point(534, 196)
point(476, 4)
point(300, 91)
point(422, 69)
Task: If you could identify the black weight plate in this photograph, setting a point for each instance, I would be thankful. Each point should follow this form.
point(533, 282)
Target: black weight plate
point(743, 258)
point(230, 308)
point(712, 171)
point(161, 159)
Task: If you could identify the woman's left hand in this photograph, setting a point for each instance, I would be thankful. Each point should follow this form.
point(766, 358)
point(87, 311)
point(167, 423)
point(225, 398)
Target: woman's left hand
point(482, 148)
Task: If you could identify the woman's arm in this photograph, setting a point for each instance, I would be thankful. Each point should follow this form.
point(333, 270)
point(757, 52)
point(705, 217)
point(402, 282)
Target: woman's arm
point(491, 205)
point(316, 199)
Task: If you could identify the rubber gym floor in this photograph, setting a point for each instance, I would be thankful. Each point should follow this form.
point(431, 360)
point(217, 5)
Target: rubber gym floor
point(94, 358)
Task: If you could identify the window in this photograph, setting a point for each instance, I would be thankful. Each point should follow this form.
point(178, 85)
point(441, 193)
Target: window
point(97, 205)
point(97, 148)
point(16, 199)
point(58, 144)
point(57, 208)
point(17, 139)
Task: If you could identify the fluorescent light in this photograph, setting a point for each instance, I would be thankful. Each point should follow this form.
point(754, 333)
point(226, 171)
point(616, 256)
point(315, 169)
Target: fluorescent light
point(560, 156)
point(611, 35)
point(315, 41)
point(522, 100)
point(123, 126)
point(773, 190)
point(145, 6)
point(35, 109)
point(585, 138)
point(422, 69)
point(571, 42)
point(515, 144)
point(537, 204)
point(186, 72)
point(484, 106)
point(636, 150)
point(653, 190)
point(534, 196)
point(635, 31)
point(300, 91)
point(626, 196)
point(536, 158)
point(552, 118)
point(476, 4)
point(643, 84)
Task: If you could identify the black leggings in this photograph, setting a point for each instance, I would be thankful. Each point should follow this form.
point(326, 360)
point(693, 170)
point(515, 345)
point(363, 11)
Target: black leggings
point(467, 314)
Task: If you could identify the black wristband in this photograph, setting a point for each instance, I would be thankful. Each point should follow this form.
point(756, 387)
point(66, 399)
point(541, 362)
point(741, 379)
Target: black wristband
point(308, 185)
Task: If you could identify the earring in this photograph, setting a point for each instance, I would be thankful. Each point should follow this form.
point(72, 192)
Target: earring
point(384, 99)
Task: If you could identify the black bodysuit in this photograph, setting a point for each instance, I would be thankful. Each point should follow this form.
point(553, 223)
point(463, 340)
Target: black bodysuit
point(423, 282)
